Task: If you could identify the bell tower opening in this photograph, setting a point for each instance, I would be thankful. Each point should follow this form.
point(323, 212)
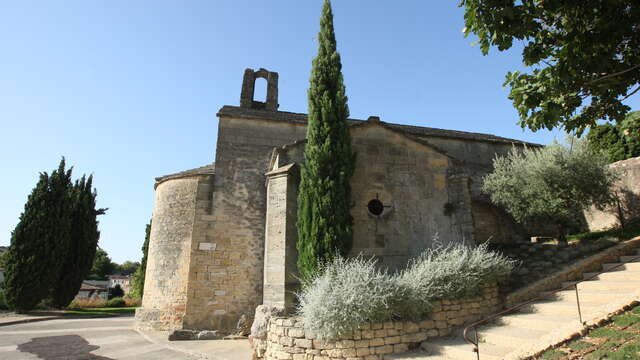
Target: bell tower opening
point(248, 94)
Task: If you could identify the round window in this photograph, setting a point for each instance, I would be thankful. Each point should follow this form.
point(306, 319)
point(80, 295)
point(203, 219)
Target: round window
point(376, 207)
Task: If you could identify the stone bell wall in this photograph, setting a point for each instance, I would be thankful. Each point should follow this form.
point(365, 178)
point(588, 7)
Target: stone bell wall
point(288, 339)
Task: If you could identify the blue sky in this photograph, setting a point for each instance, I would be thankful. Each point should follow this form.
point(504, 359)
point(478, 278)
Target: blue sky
point(128, 90)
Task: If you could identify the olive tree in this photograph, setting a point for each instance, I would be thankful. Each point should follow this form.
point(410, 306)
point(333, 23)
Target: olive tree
point(552, 185)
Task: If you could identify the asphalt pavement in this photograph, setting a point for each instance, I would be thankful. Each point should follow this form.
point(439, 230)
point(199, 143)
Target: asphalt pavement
point(80, 339)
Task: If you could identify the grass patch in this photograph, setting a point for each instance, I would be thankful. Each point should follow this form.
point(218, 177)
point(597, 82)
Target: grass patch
point(611, 344)
point(626, 320)
point(552, 354)
point(610, 333)
point(630, 231)
point(100, 311)
point(627, 351)
point(579, 345)
point(605, 350)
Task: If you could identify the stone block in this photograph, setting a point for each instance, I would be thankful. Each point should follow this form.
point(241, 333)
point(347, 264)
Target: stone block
point(342, 344)
point(414, 337)
point(209, 335)
point(376, 342)
point(392, 340)
point(411, 327)
point(285, 340)
point(392, 332)
point(363, 351)
point(400, 348)
point(385, 349)
point(303, 343)
point(427, 324)
point(380, 333)
point(367, 334)
point(322, 345)
point(295, 332)
point(178, 335)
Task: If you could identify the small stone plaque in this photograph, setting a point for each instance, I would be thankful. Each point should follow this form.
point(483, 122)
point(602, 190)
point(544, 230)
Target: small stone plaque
point(207, 246)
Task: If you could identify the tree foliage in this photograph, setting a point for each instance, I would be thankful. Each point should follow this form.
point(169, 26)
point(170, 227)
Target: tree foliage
point(127, 267)
point(550, 185)
point(40, 241)
point(83, 242)
point(116, 292)
point(52, 246)
point(102, 266)
point(618, 142)
point(137, 288)
point(585, 56)
point(324, 219)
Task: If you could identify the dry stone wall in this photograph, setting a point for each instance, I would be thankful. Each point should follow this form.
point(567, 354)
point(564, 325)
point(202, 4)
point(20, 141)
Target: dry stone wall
point(288, 339)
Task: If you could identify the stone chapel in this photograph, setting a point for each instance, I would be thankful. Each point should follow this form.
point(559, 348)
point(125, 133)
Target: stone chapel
point(224, 234)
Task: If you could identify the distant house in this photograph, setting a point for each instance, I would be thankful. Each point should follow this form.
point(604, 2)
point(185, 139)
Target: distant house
point(88, 291)
point(122, 280)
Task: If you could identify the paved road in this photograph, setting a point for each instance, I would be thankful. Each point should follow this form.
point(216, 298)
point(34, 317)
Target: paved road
point(80, 339)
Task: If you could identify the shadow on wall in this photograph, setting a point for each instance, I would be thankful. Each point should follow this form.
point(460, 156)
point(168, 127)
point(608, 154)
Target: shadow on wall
point(626, 207)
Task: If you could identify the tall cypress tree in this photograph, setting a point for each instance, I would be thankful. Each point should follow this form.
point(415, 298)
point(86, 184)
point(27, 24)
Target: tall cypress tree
point(83, 242)
point(324, 197)
point(138, 277)
point(39, 242)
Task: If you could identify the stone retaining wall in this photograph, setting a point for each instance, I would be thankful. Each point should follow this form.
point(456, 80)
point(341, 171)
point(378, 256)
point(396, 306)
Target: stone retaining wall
point(287, 338)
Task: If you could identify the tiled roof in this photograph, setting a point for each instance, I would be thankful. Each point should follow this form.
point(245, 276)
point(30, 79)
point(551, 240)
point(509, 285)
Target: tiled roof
point(87, 287)
point(235, 111)
point(203, 170)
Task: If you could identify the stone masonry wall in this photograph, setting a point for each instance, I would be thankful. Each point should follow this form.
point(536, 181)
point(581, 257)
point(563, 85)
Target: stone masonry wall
point(280, 267)
point(628, 188)
point(166, 281)
point(236, 224)
point(287, 338)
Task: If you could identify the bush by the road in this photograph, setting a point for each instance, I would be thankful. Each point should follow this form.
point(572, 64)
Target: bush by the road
point(115, 302)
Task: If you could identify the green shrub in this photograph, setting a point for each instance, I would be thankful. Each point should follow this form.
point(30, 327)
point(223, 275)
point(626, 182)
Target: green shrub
point(116, 302)
point(346, 293)
point(350, 292)
point(455, 271)
point(80, 303)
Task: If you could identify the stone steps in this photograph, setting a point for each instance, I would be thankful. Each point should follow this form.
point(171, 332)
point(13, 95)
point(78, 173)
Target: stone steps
point(604, 284)
point(615, 275)
point(634, 266)
point(523, 329)
point(459, 349)
point(536, 321)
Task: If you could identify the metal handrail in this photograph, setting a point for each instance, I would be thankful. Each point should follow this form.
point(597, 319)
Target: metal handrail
point(476, 349)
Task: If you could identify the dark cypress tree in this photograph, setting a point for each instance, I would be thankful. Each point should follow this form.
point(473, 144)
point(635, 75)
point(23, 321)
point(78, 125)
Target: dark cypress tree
point(138, 277)
point(39, 242)
point(83, 242)
point(324, 197)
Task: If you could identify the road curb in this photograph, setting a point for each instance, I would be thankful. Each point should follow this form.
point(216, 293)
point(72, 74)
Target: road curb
point(59, 317)
point(24, 321)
